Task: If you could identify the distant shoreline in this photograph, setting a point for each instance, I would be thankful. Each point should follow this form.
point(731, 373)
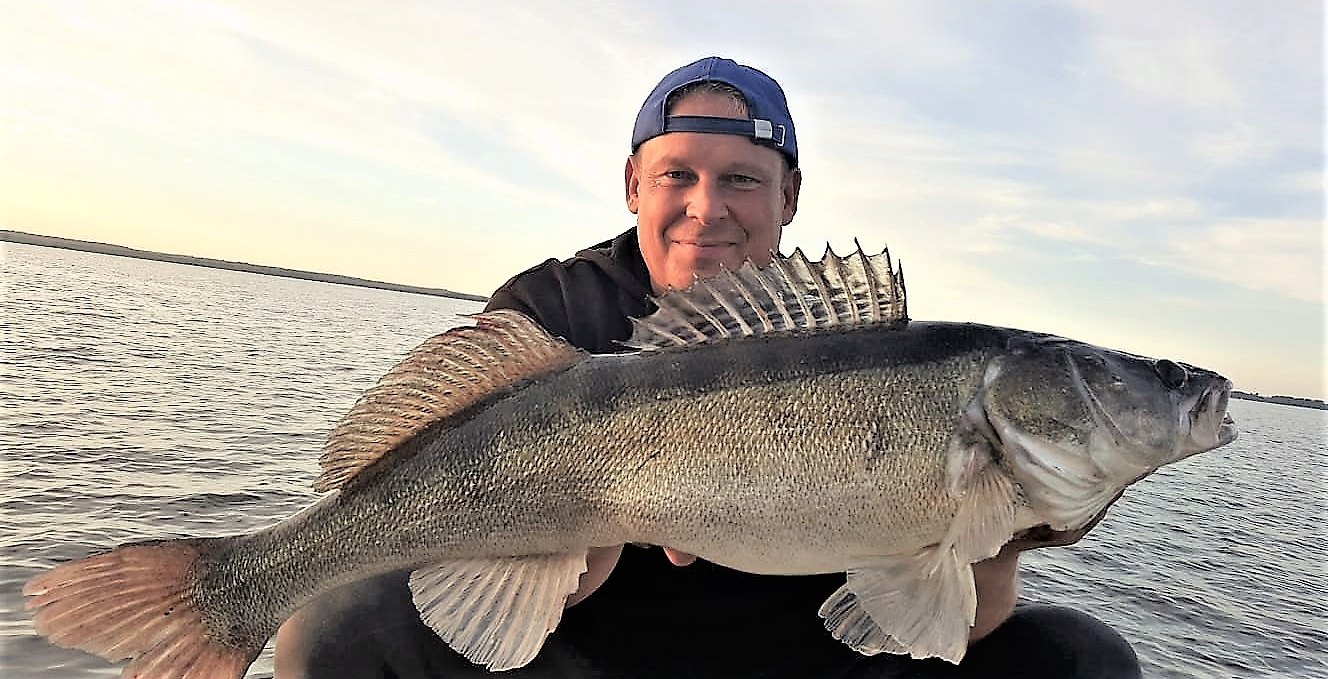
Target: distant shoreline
point(121, 251)
point(1282, 400)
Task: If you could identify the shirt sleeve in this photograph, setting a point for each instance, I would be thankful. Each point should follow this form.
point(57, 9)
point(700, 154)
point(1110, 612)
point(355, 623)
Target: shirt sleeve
point(575, 301)
point(542, 293)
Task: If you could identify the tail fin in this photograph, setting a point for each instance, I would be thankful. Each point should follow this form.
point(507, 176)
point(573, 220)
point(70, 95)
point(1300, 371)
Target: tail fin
point(137, 601)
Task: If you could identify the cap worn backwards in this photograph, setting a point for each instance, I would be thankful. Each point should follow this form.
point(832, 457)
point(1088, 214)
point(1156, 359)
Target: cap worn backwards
point(770, 123)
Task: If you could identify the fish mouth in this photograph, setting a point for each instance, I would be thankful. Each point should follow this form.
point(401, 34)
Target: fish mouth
point(1211, 425)
point(1202, 418)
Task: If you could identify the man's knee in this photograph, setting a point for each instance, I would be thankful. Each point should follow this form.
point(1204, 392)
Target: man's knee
point(1064, 641)
point(342, 633)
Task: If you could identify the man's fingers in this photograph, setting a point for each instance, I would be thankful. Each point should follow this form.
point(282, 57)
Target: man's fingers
point(678, 558)
point(599, 563)
point(1043, 536)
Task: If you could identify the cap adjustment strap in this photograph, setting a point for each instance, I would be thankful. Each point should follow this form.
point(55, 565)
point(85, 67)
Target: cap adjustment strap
point(758, 130)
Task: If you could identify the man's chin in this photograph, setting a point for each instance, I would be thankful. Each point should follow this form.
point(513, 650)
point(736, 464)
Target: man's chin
point(682, 278)
point(713, 259)
point(709, 269)
point(690, 262)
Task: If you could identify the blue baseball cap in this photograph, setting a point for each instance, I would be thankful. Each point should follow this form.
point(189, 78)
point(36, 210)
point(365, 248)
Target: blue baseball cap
point(770, 123)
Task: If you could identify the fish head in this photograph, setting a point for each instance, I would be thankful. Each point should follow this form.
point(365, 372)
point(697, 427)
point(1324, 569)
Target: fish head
point(1100, 414)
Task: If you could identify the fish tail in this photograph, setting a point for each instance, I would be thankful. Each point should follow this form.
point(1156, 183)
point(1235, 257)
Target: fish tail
point(140, 601)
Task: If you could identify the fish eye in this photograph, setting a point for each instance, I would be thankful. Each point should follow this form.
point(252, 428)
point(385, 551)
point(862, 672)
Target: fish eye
point(1173, 374)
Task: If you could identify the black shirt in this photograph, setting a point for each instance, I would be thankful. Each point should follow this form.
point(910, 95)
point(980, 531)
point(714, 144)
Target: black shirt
point(587, 299)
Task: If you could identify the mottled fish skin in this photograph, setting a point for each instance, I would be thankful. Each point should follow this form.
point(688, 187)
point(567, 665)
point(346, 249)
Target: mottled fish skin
point(653, 447)
point(811, 448)
point(781, 421)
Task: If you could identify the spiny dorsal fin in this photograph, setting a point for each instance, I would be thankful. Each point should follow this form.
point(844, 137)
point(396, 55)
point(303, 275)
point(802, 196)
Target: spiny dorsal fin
point(791, 293)
point(443, 376)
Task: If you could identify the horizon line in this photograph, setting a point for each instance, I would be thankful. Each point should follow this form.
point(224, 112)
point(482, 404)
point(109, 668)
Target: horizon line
point(26, 238)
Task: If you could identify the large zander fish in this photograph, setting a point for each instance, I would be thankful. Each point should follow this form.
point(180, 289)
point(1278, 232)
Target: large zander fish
point(787, 420)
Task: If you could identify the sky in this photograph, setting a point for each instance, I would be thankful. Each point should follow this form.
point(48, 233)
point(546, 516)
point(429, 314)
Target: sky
point(1143, 175)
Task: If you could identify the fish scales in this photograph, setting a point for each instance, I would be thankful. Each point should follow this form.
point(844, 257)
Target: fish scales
point(836, 436)
point(830, 435)
point(796, 399)
point(626, 419)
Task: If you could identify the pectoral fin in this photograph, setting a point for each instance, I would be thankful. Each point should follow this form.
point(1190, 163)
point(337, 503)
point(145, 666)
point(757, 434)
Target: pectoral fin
point(497, 611)
point(986, 492)
point(849, 623)
point(924, 604)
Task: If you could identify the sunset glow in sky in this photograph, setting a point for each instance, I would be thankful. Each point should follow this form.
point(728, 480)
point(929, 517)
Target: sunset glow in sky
point(1142, 175)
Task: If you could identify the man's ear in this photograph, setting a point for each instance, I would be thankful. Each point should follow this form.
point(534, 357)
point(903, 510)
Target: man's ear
point(632, 183)
point(792, 186)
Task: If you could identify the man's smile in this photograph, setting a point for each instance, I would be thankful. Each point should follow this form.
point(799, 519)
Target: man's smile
point(704, 244)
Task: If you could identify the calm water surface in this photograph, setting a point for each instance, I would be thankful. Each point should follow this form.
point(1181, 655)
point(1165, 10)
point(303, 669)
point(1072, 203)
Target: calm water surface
point(143, 399)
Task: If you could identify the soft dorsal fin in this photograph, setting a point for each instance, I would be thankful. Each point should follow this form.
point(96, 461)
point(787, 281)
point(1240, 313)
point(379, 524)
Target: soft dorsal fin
point(443, 376)
point(792, 293)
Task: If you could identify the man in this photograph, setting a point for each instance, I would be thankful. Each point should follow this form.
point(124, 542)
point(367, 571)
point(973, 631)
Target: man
point(713, 178)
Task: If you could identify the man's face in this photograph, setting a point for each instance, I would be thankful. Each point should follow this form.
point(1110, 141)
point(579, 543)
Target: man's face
point(707, 201)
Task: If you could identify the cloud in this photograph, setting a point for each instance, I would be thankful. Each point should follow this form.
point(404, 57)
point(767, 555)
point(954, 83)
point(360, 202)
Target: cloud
point(1284, 257)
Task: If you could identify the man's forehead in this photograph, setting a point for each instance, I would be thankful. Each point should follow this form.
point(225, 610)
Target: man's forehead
point(709, 103)
point(731, 153)
point(721, 152)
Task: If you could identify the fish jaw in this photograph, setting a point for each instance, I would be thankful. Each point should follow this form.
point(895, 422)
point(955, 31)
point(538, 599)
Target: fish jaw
point(1078, 423)
point(1209, 422)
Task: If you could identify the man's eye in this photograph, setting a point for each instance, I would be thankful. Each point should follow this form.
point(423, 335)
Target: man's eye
point(743, 180)
point(673, 177)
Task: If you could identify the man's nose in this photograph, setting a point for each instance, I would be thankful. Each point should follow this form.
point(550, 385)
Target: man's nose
point(706, 203)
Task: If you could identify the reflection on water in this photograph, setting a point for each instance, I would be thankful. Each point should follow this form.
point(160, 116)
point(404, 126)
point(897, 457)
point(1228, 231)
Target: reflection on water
point(145, 399)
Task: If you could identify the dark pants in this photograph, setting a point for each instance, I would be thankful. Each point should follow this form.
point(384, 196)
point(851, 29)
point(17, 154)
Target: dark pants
point(371, 631)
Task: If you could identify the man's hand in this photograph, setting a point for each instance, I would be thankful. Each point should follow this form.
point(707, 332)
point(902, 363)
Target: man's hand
point(1041, 536)
point(599, 563)
point(678, 558)
point(997, 579)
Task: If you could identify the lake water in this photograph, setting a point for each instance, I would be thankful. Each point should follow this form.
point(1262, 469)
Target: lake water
point(142, 399)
